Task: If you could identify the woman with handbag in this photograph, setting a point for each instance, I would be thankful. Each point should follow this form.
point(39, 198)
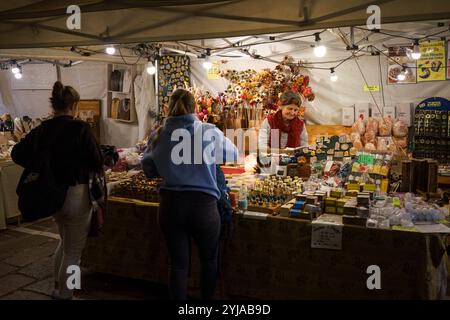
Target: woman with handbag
point(189, 191)
point(75, 162)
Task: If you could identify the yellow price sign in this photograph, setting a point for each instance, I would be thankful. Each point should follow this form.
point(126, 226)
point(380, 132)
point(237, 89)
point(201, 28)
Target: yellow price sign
point(407, 229)
point(371, 88)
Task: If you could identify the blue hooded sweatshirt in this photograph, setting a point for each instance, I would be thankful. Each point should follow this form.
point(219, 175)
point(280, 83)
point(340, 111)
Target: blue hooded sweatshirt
point(184, 154)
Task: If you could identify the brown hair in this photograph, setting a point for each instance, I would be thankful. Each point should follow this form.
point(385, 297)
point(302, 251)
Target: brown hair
point(181, 102)
point(290, 97)
point(63, 97)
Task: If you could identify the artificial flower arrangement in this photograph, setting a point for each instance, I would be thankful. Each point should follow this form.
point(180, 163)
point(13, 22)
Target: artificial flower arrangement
point(265, 87)
point(208, 107)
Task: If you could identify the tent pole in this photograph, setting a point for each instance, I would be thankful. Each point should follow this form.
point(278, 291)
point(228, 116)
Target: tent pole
point(157, 62)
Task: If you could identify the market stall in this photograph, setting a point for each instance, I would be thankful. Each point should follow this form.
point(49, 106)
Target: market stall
point(9, 176)
point(362, 190)
point(273, 259)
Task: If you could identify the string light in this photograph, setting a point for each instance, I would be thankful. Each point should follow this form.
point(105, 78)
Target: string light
point(207, 64)
point(333, 77)
point(151, 69)
point(110, 50)
point(319, 49)
point(402, 75)
point(416, 51)
point(15, 69)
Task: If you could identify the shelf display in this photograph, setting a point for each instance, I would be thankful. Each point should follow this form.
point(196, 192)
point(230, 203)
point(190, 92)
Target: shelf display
point(137, 187)
point(174, 72)
point(382, 134)
point(120, 92)
point(431, 130)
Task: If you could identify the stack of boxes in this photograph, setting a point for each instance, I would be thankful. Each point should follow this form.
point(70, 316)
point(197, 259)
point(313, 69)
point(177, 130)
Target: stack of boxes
point(356, 210)
point(306, 206)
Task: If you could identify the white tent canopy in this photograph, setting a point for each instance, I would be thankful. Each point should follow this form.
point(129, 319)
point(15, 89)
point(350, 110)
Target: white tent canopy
point(42, 23)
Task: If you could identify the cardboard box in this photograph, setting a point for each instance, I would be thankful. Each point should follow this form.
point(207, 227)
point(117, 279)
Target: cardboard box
point(404, 111)
point(389, 112)
point(348, 116)
point(361, 111)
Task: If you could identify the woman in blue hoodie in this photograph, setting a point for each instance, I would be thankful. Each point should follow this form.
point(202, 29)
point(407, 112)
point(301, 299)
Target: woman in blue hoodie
point(184, 153)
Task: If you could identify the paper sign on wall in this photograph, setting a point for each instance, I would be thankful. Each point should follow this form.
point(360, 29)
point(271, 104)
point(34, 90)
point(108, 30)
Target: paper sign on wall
point(326, 236)
point(400, 61)
point(431, 65)
point(448, 60)
point(371, 88)
point(214, 72)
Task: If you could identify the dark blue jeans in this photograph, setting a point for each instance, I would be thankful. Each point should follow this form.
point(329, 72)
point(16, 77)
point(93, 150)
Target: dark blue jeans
point(185, 215)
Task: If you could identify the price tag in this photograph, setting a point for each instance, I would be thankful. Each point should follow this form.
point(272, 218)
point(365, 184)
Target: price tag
point(326, 236)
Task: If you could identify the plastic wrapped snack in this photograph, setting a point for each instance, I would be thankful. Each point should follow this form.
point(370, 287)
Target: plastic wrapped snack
point(385, 127)
point(382, 143)
point(357, 144)
point(359, 127)
point(369, 137)
point(355, 136)
point(400, 129)
point(369, 146)
point(372, 125)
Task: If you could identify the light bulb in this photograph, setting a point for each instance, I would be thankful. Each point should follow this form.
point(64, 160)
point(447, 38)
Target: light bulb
point(110, 50)
point(334, 77)
point(207, 64)
point(151, 69)
point(18, 75)
point(15, 70)
point(320, 50)
point(416, 52)
point(401, 76)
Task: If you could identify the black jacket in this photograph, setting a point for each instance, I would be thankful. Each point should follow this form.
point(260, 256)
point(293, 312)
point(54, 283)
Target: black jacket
point(73, 150)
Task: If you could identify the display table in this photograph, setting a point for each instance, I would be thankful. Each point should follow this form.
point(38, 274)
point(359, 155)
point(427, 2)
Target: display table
point(9, 177)
point(273, 258)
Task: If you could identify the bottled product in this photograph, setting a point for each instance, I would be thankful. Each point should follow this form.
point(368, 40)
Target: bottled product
point(242, 201)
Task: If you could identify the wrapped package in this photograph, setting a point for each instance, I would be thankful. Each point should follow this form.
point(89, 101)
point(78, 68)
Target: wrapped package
point(369, 137)
point(401, 142)
point(382, 143)
point(355, 136)
point(385, 127)
point(400, 129)
point(369, 146)
point(372, 125)
point(359, 127)
point(357, 144)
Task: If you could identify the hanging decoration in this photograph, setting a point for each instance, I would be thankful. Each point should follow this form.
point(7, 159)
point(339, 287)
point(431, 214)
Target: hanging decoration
point(264, 88)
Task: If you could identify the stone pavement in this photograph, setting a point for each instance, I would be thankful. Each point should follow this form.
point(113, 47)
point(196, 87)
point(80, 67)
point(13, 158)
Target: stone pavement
point(26, 269)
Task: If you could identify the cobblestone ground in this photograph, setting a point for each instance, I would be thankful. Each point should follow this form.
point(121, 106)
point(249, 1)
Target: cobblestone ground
point(26, 269)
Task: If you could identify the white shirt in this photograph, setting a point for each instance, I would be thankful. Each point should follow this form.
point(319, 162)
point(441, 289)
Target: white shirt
point(264, 136)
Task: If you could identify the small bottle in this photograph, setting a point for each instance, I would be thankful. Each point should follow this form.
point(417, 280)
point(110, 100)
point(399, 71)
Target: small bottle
point(378, 190)
point(243, 202)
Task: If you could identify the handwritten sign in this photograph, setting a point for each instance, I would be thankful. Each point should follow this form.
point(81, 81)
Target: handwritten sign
point(326, 236)
point(371, 88)
point(214, 72)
